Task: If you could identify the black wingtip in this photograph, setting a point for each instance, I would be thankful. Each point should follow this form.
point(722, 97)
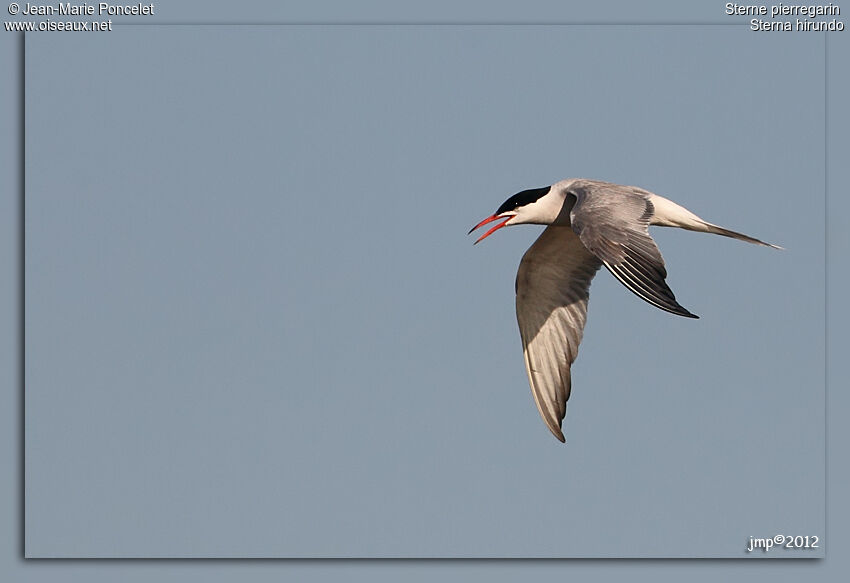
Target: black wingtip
point(682, 311)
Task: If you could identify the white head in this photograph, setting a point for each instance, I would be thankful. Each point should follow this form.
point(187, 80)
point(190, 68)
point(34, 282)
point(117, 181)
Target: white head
point(537, 206)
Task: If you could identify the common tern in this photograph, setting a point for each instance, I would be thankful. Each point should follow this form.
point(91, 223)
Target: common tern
point(590, 223)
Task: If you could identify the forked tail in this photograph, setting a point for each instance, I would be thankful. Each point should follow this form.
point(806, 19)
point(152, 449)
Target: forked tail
point(735, 235)
point(669, 214)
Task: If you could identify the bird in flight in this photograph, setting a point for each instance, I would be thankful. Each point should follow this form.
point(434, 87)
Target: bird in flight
point(590, 223)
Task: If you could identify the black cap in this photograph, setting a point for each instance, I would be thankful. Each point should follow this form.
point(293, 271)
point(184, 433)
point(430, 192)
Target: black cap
point(523, 198)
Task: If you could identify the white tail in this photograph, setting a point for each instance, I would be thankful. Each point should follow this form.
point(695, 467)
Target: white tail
point(669, 214)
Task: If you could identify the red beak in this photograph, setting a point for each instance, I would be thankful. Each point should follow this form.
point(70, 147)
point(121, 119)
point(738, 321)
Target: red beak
point(492, 229)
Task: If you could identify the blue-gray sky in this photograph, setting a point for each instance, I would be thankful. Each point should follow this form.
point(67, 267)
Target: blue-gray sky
point(198, 404)
point(255, 326)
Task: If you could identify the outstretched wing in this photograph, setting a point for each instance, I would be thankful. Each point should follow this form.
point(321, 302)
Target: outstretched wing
point(612, 221)
point(551, 306)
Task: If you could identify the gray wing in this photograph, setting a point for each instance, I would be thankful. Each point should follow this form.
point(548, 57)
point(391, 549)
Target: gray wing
point(612, 221)
point(551, 306)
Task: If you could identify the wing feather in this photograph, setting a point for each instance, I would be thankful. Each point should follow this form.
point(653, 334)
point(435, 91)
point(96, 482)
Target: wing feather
point(612, 221)
point(552, 290)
